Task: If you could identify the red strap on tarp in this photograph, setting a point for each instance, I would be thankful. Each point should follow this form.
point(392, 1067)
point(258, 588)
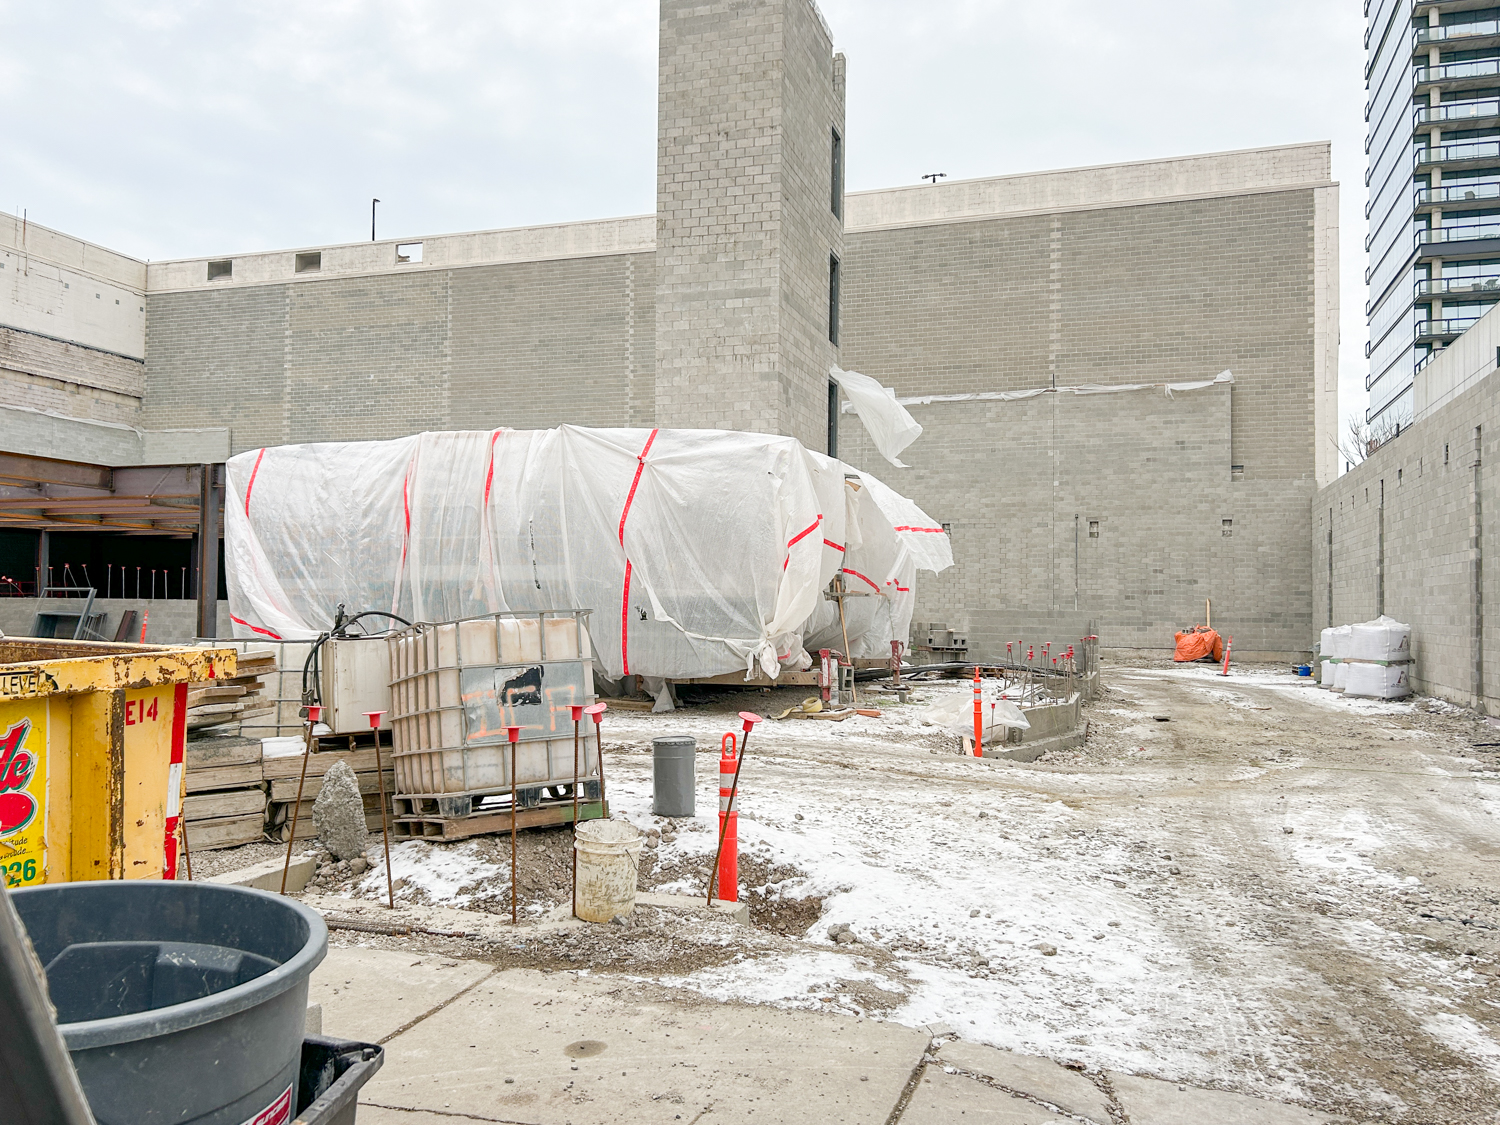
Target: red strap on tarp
point(640, 467)
point(251, 485)
point(255, 628)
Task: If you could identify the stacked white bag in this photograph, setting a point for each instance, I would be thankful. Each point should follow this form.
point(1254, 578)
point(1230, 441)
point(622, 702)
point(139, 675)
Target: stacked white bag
point(1376, 681)
point(1384, 639)
point(1333, 646)
point(1374, 659)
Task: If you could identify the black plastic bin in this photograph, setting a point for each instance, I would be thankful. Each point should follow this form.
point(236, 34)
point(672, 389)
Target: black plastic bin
point(333, 1070)
point(180, 1003)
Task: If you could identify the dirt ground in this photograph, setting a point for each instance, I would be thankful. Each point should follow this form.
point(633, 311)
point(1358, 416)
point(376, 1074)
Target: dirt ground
point(1247, 883)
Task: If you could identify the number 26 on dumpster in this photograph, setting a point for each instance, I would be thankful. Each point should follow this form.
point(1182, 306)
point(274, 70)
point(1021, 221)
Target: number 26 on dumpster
point(20, 872)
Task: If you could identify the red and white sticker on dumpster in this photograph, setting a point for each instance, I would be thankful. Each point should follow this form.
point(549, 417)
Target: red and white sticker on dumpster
point(278, 1112)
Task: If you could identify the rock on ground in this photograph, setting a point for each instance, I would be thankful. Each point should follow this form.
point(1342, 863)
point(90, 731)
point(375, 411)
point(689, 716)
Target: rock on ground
point(339, 813)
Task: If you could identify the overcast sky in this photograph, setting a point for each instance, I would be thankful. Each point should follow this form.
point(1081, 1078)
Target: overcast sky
point(167, 130)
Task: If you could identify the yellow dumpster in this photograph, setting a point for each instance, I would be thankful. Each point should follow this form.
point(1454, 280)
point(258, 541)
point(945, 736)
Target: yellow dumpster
point(91, 748)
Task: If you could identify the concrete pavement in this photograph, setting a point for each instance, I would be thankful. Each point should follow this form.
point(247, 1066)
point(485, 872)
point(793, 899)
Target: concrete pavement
point(467, 1042)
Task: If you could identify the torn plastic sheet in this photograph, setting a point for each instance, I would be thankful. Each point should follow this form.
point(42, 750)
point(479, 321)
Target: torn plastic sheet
point(889, 424)
point(699, 552)
point(1168, 389)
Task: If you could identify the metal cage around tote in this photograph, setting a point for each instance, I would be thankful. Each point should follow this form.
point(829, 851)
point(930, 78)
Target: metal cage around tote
point(456, 686)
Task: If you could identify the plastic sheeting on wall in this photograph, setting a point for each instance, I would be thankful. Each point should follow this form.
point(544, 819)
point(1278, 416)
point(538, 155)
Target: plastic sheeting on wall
point(889, 424)
point(700, 552)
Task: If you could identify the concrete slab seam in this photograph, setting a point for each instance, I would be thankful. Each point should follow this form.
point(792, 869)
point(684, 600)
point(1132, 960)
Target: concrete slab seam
point(446, 1113)
point(411, 1023)
point(909, 1090)
point(1050, 1107)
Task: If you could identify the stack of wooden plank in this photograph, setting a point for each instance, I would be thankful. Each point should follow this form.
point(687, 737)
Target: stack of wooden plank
point(281, 775)
point(226, 792)
point(235, 698)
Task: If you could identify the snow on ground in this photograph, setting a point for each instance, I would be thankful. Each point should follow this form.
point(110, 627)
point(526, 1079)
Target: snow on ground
point(1167, 906)
point(433, 874)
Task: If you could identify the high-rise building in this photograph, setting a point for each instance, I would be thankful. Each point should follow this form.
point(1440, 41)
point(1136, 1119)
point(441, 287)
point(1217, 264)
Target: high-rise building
point(1433, 107)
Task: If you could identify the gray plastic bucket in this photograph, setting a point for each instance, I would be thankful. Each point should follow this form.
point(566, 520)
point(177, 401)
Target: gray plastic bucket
point(178, 1002)
point(672, 776)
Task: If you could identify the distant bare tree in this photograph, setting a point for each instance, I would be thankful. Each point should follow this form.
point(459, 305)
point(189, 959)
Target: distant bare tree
point(1364, 438)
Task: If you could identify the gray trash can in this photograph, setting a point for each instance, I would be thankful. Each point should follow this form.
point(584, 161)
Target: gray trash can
point(672, 776)
point(179, 1003)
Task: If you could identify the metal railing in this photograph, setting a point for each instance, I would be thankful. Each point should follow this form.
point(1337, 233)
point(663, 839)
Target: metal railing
point(1456, 111)
point(1459, 193)
point(1442, 286)
point(1454, 326)
point(1467, 150)
point(1446, 33)
point(1449, 72)
point(1467, 233)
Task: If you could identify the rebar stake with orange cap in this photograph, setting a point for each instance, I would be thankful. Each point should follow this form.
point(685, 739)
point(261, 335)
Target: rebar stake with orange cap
point(577, 717)
point(748, 719)
point(314, 713)
point(514, 734)
point(385, 830)
point(597, 711)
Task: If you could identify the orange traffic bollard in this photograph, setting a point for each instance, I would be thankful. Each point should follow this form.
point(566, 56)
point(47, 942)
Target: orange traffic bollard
point(1228, 644)
point(978, 715)
point(748, 719)
point(729, 831)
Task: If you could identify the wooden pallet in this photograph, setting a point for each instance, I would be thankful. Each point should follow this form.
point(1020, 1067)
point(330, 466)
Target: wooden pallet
point(432, 827)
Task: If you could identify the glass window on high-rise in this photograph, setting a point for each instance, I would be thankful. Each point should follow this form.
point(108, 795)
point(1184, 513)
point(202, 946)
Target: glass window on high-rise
point(1432, 81)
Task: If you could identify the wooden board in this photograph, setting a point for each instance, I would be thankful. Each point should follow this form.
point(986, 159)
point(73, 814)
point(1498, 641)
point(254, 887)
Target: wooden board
point(320, 763)
point(223, 777)
point(225, 802)
point(210, 708)
point(737, 679)
point(213, 692)
point(224, 832)
point(285, 788)
point(202, 753)
point(459, 828)
point(307, 830)
point(278, 811)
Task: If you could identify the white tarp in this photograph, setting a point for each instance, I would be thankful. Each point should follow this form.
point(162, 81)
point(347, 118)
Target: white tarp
point(700, 552)
point(889, 424)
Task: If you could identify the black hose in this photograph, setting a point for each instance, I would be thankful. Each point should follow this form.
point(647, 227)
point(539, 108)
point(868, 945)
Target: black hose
point(340, 631)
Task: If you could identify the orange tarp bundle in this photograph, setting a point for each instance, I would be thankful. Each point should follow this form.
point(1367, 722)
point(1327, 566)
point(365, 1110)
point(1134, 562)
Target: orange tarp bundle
point(1197, 643)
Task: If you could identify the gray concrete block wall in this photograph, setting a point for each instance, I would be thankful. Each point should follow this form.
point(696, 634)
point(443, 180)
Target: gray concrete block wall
point(41, 373)
point(1015, 479)
point(167, 621)
point(539, 343)
point(523, 344)
point(1161, 292)
point(813, 106)
point(1439, 566)
point(746, 106)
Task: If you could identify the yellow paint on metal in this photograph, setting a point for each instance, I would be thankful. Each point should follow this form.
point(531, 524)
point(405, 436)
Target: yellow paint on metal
point(89, 730)
point(23, 792)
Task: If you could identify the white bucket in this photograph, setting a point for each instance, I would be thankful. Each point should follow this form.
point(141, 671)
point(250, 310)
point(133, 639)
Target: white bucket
point(609, 859)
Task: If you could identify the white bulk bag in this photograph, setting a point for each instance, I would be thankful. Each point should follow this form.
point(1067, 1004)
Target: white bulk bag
point(1377, 681)
point(1382, 639)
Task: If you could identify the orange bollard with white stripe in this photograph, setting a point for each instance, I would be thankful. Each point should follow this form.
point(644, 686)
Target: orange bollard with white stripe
point(978, 715)
point(729, 832)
